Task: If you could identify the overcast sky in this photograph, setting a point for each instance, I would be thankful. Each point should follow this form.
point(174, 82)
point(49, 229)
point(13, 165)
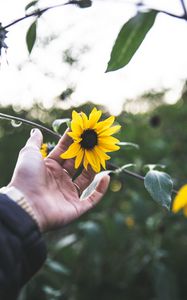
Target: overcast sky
point(159, 63)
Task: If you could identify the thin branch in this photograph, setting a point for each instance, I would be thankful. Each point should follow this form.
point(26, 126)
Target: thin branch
point(182, 17)
point(33, 124)
point(36, 13)
point(184, 7)
point(130, 173)
point(39, 12)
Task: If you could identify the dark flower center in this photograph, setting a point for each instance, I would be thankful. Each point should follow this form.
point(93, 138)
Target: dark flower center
point(89, 139)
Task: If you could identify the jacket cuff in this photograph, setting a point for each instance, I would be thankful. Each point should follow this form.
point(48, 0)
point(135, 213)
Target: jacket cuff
point(20, 223)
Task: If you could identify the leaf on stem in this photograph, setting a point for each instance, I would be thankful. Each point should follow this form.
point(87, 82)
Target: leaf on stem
point(89, 190)
point(32, 3)
point(31, 36)
point(3, 36)
point(128, 144)
point(58, 122)
point(159, 185)
point(129, 39)
point(120, 169)
point(80, 3)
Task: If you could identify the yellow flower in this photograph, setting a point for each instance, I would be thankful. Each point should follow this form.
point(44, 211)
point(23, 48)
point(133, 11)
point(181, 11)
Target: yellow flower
point(91, 140)
point(180, 201)
point(129, 221)
point(46, 149)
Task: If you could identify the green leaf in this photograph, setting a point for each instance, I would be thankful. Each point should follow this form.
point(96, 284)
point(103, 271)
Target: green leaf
point(32, 3)
point(80, 3)
point(58, 122)
point(128, 144)
point(51, 292)
point(89, 190)
point(159, 185)
point(57, 267)
point(129, 39)
point(31, 36)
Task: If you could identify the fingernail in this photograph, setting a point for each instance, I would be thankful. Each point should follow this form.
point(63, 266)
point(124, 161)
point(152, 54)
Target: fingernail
point(32, 131)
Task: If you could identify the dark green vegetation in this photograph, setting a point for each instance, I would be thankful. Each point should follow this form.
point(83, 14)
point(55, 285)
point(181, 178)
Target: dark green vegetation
point(128, 247)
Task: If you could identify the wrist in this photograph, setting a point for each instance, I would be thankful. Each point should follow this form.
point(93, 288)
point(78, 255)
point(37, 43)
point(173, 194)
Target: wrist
point(17, 196)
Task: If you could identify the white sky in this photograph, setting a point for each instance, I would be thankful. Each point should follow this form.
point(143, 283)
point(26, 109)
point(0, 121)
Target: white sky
point(159, 63)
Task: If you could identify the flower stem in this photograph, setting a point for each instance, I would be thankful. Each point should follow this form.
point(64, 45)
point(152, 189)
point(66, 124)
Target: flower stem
point(36, 13)
point(31, 123)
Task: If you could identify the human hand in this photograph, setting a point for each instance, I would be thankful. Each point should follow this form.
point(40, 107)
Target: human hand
point(47, 183)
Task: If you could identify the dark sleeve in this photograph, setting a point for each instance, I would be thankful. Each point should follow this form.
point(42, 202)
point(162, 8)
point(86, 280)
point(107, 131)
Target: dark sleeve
point(22, 249)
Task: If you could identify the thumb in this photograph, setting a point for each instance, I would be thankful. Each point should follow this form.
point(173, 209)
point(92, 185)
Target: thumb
point(36, 138)
point(96, 195)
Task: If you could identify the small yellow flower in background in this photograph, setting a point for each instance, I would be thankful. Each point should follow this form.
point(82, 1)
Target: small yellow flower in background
point(129, 221)
point(91, 140)
point(43, 150)
point(46, 149)
point(180, 201)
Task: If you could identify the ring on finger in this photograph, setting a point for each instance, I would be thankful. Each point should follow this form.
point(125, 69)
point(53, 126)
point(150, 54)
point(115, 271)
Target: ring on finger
point(66, 172)
point(78, 189)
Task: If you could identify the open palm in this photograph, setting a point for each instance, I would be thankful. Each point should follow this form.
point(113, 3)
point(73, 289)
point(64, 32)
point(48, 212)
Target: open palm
point(47, 183)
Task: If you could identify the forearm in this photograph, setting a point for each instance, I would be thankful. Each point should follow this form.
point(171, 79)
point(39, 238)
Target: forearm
point(22, 249)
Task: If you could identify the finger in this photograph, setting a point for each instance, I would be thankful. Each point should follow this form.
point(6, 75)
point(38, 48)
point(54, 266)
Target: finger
point(31, 151)
point(84, 179)
point(96, 196)
point(61, 147)
point(35, 140)
point(69, 165)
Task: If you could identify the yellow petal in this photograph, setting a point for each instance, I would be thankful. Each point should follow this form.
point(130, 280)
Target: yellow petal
point(76, 117)
point(72, 151)
point(94, 117)
point(97, 160)
point(85, 162)
point(180, 200)
point(110, 131)
point(79, 158)
point(74, 136)
point(108, 148)
point(185, 210)
point(100, 126)
point(85, 120)
point(93, 161)
point(76, 128)
point(109, 140)
point(102, 156)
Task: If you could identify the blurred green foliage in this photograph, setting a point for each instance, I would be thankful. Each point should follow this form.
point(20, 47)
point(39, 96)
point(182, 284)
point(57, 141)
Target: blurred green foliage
point(127, 247)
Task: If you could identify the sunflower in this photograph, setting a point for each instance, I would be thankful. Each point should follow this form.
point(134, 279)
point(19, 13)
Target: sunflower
point(46, 148)
point(91, 140)
point(180, 201)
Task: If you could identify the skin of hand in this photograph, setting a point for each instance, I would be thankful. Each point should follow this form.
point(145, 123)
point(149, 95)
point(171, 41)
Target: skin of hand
point(47, 183)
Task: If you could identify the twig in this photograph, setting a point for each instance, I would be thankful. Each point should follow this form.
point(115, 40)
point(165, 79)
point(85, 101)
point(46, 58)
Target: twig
point(37, 13)
point(130, 173)
point(182, 17)
point(184, 7)
point(33, 124)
